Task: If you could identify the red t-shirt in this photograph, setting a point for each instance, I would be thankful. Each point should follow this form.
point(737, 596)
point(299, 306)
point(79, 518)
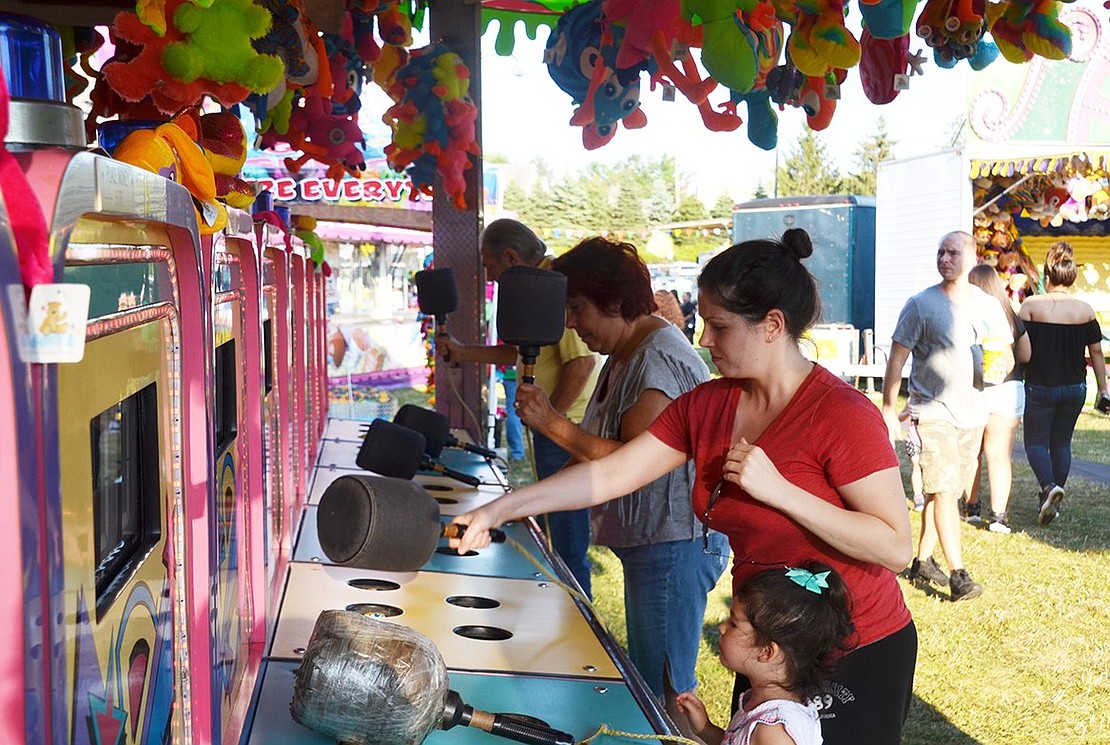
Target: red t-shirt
point(829, 435)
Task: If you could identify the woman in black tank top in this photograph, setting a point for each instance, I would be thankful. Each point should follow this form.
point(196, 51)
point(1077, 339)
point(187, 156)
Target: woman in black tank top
point(1063, 331)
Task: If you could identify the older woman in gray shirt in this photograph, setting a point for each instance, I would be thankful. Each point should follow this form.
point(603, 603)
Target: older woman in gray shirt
point(669, 566)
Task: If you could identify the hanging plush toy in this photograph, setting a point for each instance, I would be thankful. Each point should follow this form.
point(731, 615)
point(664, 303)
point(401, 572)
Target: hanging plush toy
point(433, 121)
point(304, 227)
point(1022, 28)
point(394, 26)
point(140, 68)
point(645, 25)
point(581, 59)
point(321, 135)
point(953, 27)
point(881, 61)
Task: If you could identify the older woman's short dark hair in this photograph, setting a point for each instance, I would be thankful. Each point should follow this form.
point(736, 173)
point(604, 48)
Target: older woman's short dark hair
point(610, 275)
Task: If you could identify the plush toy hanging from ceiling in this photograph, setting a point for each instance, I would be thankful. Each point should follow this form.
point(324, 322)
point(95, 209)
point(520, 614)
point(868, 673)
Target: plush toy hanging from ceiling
point(581, 59)
point(321, 135)
point(1023, 28)
point(433, 121)
point(760, 42)
point(394, 26)
point(296, 40)
point(204, 51)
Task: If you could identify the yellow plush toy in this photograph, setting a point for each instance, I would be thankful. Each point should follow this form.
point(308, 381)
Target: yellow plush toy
point(170, 152)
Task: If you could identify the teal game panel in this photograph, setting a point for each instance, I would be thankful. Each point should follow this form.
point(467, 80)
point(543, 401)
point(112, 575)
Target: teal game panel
point(573, 706)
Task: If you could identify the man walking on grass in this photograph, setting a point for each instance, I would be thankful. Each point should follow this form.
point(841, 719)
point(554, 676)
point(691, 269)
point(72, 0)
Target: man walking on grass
point(943, 327)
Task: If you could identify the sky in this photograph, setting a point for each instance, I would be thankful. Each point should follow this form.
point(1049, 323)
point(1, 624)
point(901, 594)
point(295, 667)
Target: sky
point(525, 115)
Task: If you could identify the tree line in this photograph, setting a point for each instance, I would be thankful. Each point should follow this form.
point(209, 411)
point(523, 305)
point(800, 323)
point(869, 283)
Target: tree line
point(637, 196)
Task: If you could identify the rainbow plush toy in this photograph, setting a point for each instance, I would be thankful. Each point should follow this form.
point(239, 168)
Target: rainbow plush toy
point(433, 121)
point(1023, 28)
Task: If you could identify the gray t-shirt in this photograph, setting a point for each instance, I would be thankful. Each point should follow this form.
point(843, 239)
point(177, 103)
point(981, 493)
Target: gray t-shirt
point(660, 511)
point(940, 334)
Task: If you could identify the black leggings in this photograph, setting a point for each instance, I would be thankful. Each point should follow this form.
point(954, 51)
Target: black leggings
point(868, 698)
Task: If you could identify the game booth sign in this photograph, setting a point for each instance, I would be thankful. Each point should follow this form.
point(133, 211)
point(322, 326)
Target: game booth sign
point(374, 333)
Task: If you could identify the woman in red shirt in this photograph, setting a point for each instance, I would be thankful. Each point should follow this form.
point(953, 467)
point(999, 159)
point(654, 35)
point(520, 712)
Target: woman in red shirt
point(792, 464)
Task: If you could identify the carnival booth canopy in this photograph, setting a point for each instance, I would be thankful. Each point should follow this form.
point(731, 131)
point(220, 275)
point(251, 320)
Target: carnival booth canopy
point(299, 65)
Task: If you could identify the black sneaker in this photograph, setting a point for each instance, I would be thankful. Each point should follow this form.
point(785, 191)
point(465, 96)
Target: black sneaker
point(963, 587)
point(928, 573)
point(969, 511)
point(999, 523)
point(1053, 495)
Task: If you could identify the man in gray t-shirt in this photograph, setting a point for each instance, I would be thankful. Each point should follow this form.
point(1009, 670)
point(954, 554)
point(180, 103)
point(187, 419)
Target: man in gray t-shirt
point(943, 327)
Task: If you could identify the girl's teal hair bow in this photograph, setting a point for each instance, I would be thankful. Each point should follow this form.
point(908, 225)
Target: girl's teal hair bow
point(807, 579)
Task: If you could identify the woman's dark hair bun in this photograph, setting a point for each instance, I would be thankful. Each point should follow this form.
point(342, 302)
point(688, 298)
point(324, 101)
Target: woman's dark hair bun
point(797, 242)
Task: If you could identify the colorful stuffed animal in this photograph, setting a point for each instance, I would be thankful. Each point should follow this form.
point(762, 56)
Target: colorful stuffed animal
point(434, 122)
point(953, 27)
point(171, 153)
point(288, 40)
point(136, 71)
point(580, 58)
point(1023, 28)
point(727, 50)
point(394, 26)
point(881, 61)
point(646, 25)
point(887, 19)
point(326, 137)
point(217, 45)
point(224, 142)
point(819, 41)
point(304, 227)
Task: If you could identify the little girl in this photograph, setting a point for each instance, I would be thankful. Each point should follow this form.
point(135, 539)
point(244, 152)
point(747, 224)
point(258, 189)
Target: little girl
point(786, 628)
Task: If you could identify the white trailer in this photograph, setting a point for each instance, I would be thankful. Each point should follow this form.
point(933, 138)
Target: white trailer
point(918, 200)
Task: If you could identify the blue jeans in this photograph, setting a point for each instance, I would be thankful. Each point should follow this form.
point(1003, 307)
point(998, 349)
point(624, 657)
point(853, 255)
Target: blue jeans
point(1050, 415)
point(514, 428)
point(570, 530)
point(665, 588)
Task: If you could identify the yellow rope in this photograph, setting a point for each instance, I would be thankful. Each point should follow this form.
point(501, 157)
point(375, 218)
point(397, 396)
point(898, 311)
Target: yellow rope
point(604, 730)
point(543, 570)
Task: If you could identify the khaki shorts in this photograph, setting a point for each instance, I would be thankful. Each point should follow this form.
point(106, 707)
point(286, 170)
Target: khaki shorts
point(948, 456)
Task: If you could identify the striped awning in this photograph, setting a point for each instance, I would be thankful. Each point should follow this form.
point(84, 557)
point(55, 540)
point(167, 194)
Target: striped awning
point(1077, 162)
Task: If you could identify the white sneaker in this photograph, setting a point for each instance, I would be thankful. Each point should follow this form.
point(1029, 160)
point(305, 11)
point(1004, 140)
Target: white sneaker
point(999, 523)
point(1050, 508)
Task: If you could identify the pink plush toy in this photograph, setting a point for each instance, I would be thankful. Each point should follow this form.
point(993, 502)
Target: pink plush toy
point(321, 135)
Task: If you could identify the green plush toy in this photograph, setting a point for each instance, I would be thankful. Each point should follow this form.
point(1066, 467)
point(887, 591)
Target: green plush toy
point(218, 47)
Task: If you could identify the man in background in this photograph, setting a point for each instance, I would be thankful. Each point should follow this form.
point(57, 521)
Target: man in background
point(943, 327)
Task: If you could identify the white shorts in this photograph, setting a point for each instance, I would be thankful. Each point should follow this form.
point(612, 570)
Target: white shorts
point(1006, 399)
